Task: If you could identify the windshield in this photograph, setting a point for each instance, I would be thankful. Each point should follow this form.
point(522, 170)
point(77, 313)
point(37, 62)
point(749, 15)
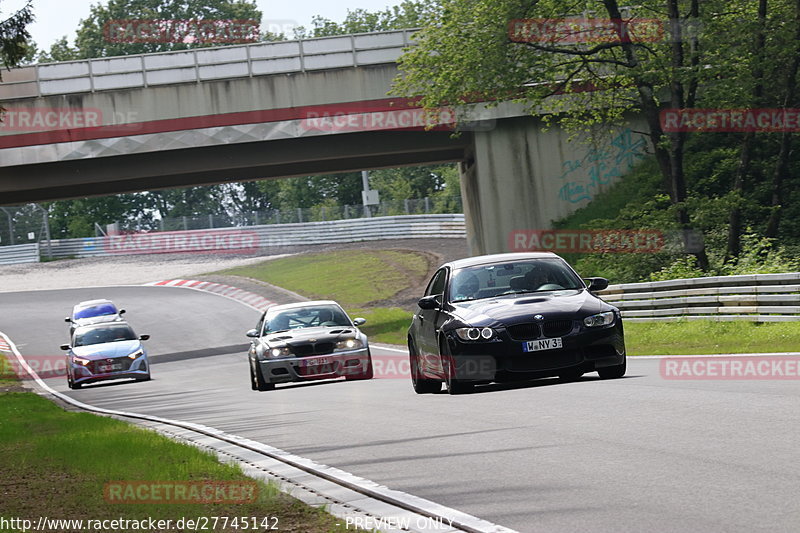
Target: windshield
point(96, 310)
point(101, 335)
point(517, 277)
point(306, 317)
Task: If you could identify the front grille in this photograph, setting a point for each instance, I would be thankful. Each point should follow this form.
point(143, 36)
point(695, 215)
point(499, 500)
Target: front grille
point(306, 350)
point(557, 328)
point(524, 332)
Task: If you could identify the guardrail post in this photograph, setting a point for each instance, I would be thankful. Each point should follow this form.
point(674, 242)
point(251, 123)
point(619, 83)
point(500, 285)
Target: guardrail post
point(346, 211)
point(255, 218)
point(211, 221)
point(299, 214)
point(427, 205)
point(185, 225)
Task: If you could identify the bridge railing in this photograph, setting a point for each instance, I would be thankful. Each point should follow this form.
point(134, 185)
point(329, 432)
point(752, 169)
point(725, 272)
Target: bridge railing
point(753, 297)
point(204, 64)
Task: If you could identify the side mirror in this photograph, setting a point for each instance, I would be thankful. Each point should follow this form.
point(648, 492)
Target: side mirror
point(359, 321)
point(597, 284)
point(429, 302)
point(67, 319)
point(252, 334)
point(65, 347)
point(144, 337)
point(121, 312)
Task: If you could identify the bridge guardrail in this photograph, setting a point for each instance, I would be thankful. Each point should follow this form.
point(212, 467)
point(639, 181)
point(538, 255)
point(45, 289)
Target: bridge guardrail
point(752, 297)
point(19, 253)
point(204, 64)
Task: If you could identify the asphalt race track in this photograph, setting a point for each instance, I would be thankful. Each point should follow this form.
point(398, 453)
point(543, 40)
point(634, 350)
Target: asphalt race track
point(636, 454)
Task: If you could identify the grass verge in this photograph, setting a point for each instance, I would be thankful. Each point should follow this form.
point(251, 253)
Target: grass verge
point(57, 463)
point(352, 278)
point(708, 337)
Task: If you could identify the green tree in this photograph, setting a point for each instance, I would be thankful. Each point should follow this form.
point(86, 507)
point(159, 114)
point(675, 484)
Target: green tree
point(470, 52)
point(14, 37)
point(409, 14)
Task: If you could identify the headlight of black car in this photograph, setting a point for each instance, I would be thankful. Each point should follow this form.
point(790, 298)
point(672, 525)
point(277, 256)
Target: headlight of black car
point(600, 319)
point(475, 334)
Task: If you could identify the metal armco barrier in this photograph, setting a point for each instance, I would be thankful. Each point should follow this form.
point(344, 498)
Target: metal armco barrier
point(753, 297)
point(336, 231)
point(20, 253)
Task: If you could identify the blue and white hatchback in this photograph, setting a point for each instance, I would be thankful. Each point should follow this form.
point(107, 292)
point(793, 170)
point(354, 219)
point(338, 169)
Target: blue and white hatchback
point(105, 351)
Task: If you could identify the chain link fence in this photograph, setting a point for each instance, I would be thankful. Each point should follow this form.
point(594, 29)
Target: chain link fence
point(25, 224)
point(420, 206)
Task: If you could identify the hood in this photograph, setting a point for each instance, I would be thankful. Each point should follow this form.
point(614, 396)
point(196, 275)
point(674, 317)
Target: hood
point(520, 308)
point(107, 349)
point(321, 334)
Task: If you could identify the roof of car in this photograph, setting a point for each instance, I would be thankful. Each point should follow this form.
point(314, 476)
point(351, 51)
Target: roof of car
point(499, 258)
point(91, 303)
point(298, 305)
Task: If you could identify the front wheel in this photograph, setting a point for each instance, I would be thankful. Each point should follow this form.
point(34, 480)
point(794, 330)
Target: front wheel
point(367, 374)
point(421, 384)
point(613, 372)
point(453, 385)
point(257, 380)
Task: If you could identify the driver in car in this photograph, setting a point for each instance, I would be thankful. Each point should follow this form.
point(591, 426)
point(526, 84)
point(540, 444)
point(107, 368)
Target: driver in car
point(466, 286)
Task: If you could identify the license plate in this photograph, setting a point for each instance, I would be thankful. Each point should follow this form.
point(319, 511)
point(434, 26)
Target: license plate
point(109, 368)
point(318, 362)
point(542, 344)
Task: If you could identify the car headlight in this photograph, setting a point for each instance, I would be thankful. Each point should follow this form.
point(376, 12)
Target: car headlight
point(283, 351)
point(81, 361)
point(600, 319)
point(137, 353)
point(349, 344)
point(475, 334)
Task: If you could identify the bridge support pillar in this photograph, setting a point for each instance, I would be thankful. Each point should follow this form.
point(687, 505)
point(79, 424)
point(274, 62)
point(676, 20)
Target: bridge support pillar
point(519, 177)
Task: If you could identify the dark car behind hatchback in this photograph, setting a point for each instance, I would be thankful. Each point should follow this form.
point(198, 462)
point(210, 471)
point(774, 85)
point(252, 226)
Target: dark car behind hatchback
point(508, 317)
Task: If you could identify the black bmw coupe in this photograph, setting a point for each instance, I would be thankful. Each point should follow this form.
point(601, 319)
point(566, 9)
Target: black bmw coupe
point(509, 317)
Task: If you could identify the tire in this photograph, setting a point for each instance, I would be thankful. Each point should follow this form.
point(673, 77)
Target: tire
point(259, 383)
point(453, 385)
point(570, 376)
point(421, 385)
point(367, 374)
point(145, 378)
point(253, 384)
point(613, 372)
point(71, 384)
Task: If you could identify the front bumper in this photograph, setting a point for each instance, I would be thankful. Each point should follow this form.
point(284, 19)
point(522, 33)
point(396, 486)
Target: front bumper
point(503, 358)
point(331, 366)
point(137, 369)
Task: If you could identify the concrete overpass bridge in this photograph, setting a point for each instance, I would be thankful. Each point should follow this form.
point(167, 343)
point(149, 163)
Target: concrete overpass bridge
point(272, 110)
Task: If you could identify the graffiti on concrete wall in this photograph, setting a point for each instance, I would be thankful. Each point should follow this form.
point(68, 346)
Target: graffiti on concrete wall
point(600, 166)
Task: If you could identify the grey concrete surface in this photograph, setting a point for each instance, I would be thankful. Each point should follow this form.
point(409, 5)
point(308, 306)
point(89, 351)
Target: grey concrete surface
point(636, 454)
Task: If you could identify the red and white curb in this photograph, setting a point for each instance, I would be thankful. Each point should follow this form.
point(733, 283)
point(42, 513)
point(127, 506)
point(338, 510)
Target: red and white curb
point(4, 347)
point(256, 301)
